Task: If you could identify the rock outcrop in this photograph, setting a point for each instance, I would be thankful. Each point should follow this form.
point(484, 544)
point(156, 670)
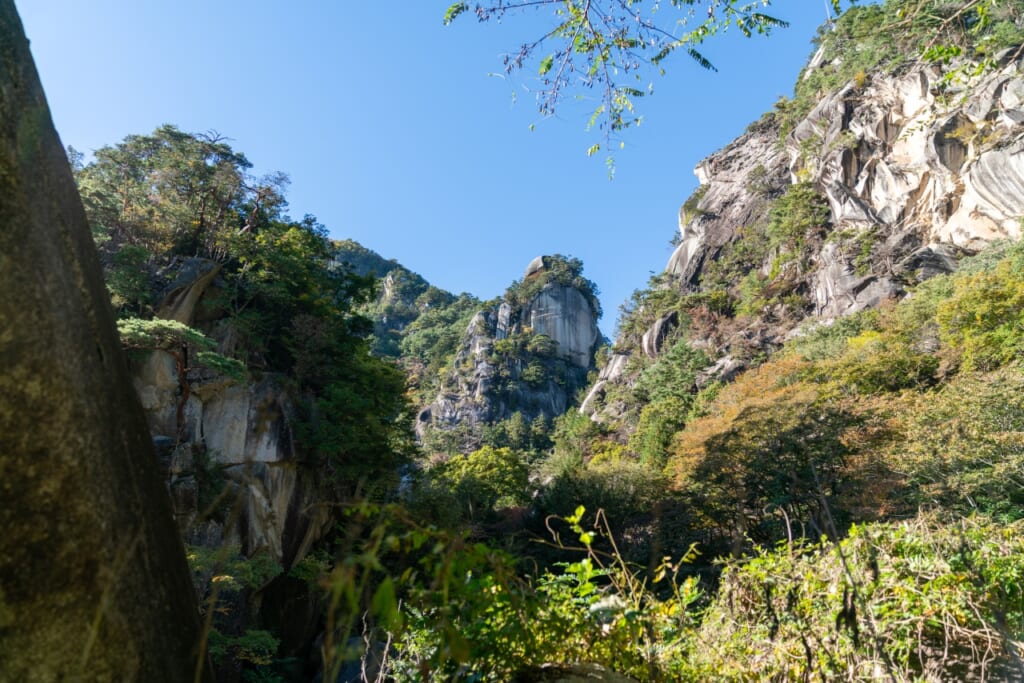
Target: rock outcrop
point(737, 183)
point(912, 174)
point(239, 435)
point(528, 354)
point(233, 471)
point(913, 171)
point(564, 314)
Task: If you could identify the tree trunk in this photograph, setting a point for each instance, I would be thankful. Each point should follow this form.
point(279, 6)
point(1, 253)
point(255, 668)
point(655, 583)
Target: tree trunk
point(93, 579)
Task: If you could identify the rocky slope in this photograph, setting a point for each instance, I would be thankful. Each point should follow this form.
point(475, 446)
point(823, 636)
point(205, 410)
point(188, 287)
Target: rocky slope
point(915, 168)
point(223, 440)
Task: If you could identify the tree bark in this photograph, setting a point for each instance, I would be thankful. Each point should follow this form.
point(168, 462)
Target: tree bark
point(93, 579)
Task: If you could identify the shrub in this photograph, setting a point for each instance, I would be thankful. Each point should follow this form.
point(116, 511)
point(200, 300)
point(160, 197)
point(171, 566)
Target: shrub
point(801, 213)
point(673, 374)
point(535, 374)
point(984, 316)
point(659, 422)
point(963, 445)
point(875, 362)
point(830, 341)
point(624, 488)
point(918, 600)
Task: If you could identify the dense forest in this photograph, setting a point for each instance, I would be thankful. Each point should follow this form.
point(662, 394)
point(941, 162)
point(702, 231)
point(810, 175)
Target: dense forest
point(802, 457)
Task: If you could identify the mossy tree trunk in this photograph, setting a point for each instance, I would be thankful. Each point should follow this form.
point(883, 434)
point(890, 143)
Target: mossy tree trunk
point(93, 579)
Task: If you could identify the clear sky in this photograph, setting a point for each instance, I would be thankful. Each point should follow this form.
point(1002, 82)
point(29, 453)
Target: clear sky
point(396, 133)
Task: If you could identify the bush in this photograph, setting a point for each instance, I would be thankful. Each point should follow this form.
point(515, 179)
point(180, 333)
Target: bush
point(984, 316)
point(801, 213)
point(659, 422)
point(919, 600)
point(673, 375)
point(830, 341)
point(963, 446)
point(875, 362)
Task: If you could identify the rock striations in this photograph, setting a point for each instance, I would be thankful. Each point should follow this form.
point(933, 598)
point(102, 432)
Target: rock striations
point(925, 171)
point(914, 169)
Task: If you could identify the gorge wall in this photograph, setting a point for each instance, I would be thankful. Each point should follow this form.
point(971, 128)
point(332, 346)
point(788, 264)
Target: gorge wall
point(910, 170)
point(234, 472)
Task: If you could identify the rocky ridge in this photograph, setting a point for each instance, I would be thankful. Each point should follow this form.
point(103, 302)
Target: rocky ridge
point(917, 170)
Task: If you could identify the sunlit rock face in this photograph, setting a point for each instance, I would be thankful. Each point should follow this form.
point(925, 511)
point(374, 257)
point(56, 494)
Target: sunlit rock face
point(905, 152)
point(565, 315)
point(916, 172)
point(928, 172)
point(737, 183)
point(487, 384)
point(239, 434)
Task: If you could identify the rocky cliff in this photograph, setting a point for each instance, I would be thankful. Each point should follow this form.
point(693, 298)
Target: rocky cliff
point(528, 353)
point(887, 180)
point(234, 472)
point(917, 170)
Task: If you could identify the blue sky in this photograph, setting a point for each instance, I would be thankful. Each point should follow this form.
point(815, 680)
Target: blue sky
point(396, 133)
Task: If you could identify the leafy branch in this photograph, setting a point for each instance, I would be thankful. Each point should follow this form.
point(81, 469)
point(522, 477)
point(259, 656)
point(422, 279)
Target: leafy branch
point(610, 45)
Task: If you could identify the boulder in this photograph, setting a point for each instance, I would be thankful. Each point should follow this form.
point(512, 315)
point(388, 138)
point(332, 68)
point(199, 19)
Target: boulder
point(534, 267)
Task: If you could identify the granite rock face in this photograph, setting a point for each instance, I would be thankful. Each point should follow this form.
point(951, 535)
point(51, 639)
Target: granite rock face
point(520, 356)
point(902, 165)
point(915, 174)
point(239, 434)
point(563, 314)
point(928, 174)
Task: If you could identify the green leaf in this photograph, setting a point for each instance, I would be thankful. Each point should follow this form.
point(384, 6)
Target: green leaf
point(454, 11)
point(384, 603)
point(593, 149)
point(578, 514)
point(701, 60)
point(546, 64)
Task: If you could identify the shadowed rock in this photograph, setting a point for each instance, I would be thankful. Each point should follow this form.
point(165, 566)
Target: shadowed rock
point(93, 579)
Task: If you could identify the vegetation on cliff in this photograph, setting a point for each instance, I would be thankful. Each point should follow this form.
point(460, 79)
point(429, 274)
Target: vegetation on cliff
point(279, 301)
